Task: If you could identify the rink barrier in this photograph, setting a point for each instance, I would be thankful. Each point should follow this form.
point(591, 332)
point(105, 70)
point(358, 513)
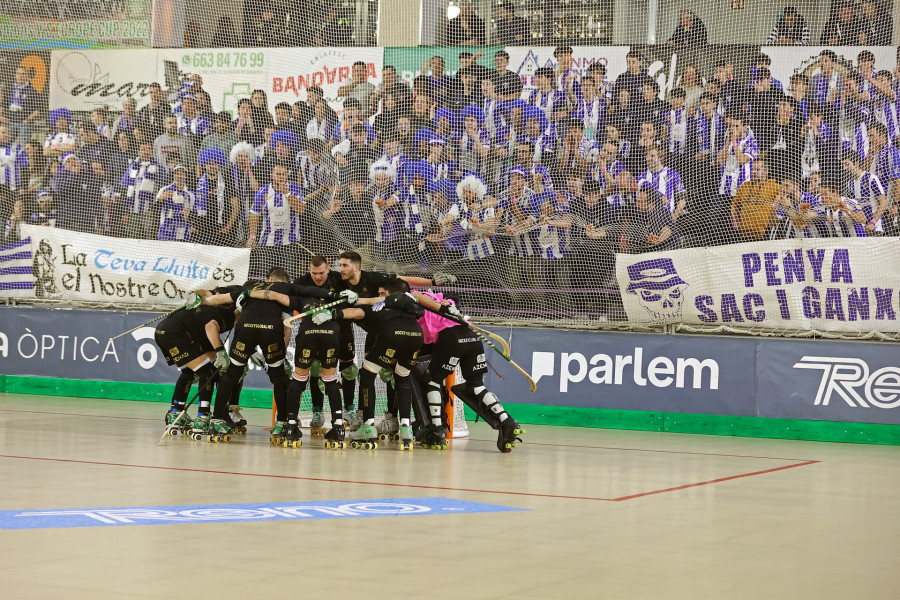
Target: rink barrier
point(721, 385)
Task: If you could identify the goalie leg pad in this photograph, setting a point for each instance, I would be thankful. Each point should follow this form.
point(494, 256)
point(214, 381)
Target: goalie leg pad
point(435, 402)
point(475, 401)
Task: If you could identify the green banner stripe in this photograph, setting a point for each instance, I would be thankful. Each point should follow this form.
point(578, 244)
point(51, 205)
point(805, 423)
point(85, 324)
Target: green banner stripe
point(791, 429)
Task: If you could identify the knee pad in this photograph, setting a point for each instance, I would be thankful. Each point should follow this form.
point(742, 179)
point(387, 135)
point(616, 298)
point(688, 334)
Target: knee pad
point(233, 372)
point(277, 375)
point(386, 375)
point(315, 369)
point(350, 372)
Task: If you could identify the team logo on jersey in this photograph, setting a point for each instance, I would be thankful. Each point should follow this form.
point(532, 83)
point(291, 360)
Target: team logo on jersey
point(658, 288)
point(174, 351)
point(390, 352)
point(240, 346)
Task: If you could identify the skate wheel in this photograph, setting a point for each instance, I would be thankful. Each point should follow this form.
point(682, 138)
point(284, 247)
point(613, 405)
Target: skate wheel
point(519, 431)
point(210, 439)
point(296, 444)
point(382, 437)
point(173, 432)
point(354, 445)
point(226, 438)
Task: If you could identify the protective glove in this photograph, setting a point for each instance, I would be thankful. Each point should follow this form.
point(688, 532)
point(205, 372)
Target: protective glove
point(242, 300)
point(451, 310)
point(322, 316)
point(350, 296)
point(443, 278)
point(222, 361)
point(192, 301)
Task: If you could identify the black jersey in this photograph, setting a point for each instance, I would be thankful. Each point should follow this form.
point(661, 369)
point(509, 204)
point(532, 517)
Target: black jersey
point(333, 284)
point(194, 321)
point(369, 282)
point(397, 311)
point(268, 312)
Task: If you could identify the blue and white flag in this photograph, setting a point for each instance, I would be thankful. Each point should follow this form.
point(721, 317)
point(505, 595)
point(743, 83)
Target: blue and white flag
point(16, 270)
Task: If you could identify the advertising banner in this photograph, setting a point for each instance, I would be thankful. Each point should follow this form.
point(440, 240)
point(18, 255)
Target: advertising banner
point(97, 268)
point(77, 344)
point(409, 61)
point(525, 60)
point(46, 24)
point(831, 284)
point(650, 372)
point(83, 80)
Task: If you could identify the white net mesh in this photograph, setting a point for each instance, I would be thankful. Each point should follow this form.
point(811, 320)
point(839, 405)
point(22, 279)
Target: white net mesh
point(523, 168)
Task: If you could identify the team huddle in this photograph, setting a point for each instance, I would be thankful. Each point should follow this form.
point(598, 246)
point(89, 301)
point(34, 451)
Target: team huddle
point(414, 341)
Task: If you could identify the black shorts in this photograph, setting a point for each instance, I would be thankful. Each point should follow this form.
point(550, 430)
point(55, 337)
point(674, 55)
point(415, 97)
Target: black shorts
point(317, 343)
point(346, 349)
point(396, 346)
point(178, 347)
point(457, 346)
point(269, 338)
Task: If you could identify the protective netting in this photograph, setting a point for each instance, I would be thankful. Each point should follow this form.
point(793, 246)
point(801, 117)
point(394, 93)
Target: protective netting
point(537, 175)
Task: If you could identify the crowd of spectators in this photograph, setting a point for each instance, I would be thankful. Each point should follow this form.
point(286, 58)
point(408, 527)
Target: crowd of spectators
point(544, 184)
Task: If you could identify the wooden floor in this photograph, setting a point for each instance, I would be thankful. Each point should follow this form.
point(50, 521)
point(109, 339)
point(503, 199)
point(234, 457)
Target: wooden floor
point(607, 514)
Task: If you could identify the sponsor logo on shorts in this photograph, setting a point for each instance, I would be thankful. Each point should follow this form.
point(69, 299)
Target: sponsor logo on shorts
point(273, 347)
point(240, 346)
point(390, 352)
point(174, 351)
point(330, 352)
point(306, 353)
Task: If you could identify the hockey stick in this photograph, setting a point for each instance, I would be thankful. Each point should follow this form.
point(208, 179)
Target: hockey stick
point(154, 320)
point(292, 321)
point(487, 341)
point(503, 343)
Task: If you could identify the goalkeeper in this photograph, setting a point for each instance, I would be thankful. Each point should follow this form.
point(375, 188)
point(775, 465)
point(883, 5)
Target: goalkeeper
point(366, 284)
point(260, 326)
point(187, 339)
point(451, 344)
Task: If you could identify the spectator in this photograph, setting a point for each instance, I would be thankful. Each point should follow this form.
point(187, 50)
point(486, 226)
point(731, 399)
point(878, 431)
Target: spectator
point(843, 28)
point(827, 87)
point(677, 131)
point(838, 217)
point(466, 89)
point(172, 148)
point(95, 150)
point(216, 210)
point(337, 30)
point(392, 84)
point(875, 26)
point(259, 110)
point(590, 109)
point(884, 161)
point(274, 217)
point(466, 29)
point(782, 148)
point(244, 183)
point(282, 150)
point(225, 35)
point(284, 120)
point(817, 146)
point(690, 32)
point(386, 120)
point(509, 85)
point(693, 88)
point(150, 118)
point(143, 178)
point(868, 191)
point(736, 160)
point(19, 106)
point(320, 126)
point(192, 34)
point(634, 77)
point(753, 207)
point(191, 123)
point(511, 30)
point(128, 119)
point(350, 117)
point(267, 30)
point(648, 225)
point(790, 29)
point(763, 104)
point(438, 83)
point(204, 105)
point(649, 107)
point(60, 140)
point(359, 88)
point(120, 160)
point(79, 196)
point(176, 201)
point(245, 126)
point(799, 87)
point(222, 137)
point(351, 213)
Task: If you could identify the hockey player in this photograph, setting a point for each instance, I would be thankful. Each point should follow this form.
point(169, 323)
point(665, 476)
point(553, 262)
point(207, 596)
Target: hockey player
point(261, 325)
point(366, 285)
point(187, 339)
point(396, 340)
point(454, 344)
point(316, 356)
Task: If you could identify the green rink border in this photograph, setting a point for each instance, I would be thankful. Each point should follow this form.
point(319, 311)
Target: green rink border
point(788, 429)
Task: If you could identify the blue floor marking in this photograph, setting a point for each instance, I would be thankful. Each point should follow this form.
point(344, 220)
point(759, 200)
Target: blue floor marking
point(229, 513)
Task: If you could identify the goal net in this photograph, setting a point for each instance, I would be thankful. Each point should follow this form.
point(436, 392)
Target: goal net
point(566, 173)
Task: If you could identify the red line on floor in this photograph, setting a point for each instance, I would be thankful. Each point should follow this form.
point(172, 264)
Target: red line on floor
point(406, 485)
point(473, 439)
point(296, 477)
point(711, 481)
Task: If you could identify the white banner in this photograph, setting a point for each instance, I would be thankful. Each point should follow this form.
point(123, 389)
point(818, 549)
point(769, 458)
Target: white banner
point(96, 268)
point(525, 60)
point(787, 60)
point(86, 79)
point(841, 285)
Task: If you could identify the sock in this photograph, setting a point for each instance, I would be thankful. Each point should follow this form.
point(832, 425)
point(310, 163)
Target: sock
point(182, 389)
point(318, 398)
point(294, 392)
point(404, 422)
point(367, 394)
